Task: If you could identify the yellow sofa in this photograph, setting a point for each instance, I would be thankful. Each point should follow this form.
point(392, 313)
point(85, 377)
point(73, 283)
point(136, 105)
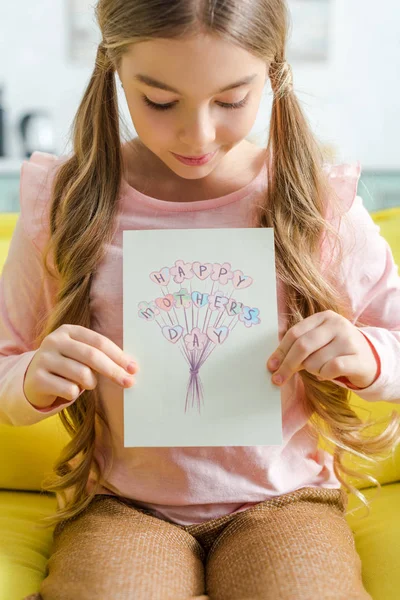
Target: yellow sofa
point(27, 454)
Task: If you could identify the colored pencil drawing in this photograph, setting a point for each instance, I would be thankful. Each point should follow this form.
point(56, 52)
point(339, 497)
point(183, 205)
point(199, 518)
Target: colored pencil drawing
point(200, 315)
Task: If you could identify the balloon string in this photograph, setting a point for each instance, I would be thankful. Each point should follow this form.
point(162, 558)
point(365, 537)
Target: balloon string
point(208, 340)
point(201, 361)
point(205, 318)
point(163, 318)
point(184, 354)
point(221, 313)
point(184, 309)
point(200, 307)
point(230, 329)
point(168, 292)
point(190, 389)
point(192, 392)
point(209, 319)
point(225, 315)
point(187, 324)
point(235, 323)
point(225, 311)
point(220, 316)
point(160, 324)
point(204, 354)
point(199, 392)
point(206, 357)
point(194, 388)
point(185, 351)
point(191, 299)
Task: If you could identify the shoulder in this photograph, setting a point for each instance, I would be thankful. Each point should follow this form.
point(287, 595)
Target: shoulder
point(353, 219)
point(342, 180)
point(365, 250)
point(36, 178)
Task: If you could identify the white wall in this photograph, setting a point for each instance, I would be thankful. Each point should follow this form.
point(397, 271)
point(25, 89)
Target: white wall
point(352, 100)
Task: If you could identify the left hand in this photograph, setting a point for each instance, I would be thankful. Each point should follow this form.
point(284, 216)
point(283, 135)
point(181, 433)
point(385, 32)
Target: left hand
point(328, 346)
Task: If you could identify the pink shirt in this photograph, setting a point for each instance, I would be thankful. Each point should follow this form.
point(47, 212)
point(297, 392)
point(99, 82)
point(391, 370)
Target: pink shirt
point(191, 485)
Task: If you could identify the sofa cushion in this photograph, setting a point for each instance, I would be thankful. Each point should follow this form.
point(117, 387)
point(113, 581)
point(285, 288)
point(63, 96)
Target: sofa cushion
point(29, 453)
point(24, 549)
point(377, 540)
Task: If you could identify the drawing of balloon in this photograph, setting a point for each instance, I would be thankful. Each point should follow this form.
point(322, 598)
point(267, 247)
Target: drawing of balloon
point(200, 315)
point(172, 334)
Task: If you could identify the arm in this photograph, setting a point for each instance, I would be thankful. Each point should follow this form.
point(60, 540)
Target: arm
point(26, 294)
point(372, 281)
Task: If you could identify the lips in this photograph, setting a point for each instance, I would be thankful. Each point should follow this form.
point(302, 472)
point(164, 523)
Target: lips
point(195, 157)
point(197, 161)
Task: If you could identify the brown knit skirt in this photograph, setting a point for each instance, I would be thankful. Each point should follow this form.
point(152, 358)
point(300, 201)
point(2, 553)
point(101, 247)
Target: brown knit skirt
point(297, 546)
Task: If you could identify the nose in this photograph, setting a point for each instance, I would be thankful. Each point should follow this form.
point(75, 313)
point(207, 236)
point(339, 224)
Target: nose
point(197, 133)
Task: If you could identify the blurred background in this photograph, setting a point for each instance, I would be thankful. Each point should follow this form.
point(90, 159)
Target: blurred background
point(345, 57)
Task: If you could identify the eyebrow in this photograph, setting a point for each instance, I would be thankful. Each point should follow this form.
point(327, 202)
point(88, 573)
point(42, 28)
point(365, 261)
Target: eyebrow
point(163, 86)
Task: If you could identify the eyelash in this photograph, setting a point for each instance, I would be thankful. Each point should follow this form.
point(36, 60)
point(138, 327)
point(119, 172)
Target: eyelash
point(232, 106)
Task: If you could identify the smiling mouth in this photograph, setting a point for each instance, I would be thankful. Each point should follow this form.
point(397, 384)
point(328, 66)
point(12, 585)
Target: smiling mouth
point(196, 157)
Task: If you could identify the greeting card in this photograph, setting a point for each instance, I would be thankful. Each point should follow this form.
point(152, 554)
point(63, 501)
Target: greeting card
point(200, 318)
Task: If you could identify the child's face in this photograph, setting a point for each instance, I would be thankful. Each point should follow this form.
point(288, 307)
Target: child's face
point(197, 123)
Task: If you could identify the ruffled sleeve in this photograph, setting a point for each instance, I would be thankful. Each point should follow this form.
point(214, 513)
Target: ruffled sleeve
point(26, 293)
point(369, 277)
point(37, 175)
point(343, 180)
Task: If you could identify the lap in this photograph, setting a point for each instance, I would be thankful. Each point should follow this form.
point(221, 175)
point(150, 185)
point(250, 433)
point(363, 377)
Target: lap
point(293, 547)
point(298, 551)
point(113, 551)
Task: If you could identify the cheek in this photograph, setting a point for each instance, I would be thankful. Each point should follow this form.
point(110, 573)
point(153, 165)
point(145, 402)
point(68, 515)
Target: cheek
point(251, 114)
point(151, 127)
point(237, 124)
point(236, 127)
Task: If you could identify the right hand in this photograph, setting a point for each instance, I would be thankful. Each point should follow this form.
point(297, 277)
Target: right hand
point(65, 362)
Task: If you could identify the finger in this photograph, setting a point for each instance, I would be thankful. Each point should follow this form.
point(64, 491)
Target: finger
point(317, 361)
point(72, 370)
point(54, 385)
point(96, 359)
point(347, 365)
point(305, 346)
point(105, 345)
point(294, 334)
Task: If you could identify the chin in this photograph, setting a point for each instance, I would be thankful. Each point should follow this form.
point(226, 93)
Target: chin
point(193, 172)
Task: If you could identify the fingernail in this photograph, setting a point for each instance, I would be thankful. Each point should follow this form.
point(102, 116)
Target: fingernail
point(274, 363)
point(278, 379)
point(131, 367)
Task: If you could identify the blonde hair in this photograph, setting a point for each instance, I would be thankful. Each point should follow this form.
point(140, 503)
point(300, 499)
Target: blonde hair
point(84, 209)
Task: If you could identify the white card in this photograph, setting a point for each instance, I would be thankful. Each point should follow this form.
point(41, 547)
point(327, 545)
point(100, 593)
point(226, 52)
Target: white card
point(200, 318)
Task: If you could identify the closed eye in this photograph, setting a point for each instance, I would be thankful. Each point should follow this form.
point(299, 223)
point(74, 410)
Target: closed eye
point(172, 104)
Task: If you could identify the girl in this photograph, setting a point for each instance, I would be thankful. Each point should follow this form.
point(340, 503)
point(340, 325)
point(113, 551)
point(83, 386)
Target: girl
point(176, 523)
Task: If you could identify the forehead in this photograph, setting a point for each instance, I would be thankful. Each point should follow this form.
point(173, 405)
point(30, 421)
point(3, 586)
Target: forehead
point(196, 64)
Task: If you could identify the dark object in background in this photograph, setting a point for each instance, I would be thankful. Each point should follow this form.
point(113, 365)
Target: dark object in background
point(36, 132)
